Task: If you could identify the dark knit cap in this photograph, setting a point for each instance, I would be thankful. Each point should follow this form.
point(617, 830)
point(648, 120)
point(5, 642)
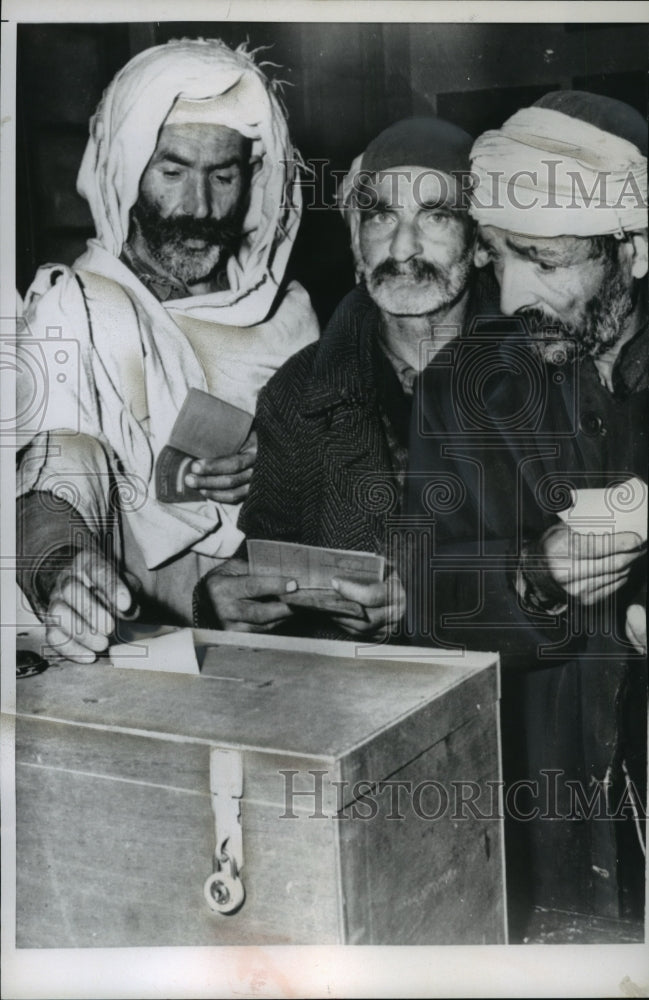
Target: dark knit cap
point(420, 142)
point(604, 112)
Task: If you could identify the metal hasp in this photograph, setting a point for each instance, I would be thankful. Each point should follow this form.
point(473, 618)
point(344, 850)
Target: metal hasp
point(223, 890)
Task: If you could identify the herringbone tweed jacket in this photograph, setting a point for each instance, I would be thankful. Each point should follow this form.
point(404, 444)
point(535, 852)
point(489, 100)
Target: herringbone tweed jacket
point(333, 431)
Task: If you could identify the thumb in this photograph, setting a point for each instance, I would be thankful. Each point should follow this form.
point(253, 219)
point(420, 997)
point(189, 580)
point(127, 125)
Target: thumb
point(106, 581)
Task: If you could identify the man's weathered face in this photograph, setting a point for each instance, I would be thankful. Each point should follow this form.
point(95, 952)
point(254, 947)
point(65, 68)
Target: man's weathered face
point(192, 199)
point(575, 293)
point(413, 245)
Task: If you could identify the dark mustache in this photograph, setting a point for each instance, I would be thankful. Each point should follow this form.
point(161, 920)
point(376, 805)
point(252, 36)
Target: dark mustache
point(418, 270)
point(177, 229)
point(212, 231)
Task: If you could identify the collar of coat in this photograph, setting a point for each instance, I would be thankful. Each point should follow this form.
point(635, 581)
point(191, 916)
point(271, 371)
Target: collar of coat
point(631, 369)
point(347, 357)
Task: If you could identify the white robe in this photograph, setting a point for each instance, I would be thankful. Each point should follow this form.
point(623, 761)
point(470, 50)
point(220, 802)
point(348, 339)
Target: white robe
point(129, 368)
point(104, 367)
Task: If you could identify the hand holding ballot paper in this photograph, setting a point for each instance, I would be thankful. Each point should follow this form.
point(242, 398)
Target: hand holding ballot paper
point(284, 578)
point(210, 454)
point(592, 549)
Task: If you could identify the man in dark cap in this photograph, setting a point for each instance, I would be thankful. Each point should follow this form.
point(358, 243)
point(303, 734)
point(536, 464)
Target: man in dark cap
point(333, 423)
point(543, 556)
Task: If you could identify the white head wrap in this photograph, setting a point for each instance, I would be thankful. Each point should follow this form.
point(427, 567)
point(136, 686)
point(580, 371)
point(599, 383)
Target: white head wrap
point(546, 173)
point(124, 132)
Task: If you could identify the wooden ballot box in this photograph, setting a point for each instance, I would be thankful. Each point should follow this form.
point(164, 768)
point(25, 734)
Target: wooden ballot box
point(294, 792)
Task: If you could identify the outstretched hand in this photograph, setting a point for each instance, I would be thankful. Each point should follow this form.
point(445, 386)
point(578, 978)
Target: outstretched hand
point(87, 598)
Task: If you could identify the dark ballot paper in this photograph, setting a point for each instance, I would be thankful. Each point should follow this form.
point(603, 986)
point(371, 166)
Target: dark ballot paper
point(313, 568)
point(206, 427)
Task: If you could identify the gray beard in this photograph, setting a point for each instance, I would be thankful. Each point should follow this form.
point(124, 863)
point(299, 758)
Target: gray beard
point(600, 328)
point(432, 290)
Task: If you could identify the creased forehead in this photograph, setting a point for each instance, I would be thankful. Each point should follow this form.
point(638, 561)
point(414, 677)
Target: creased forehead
point(411, 184)
point(223, 144)
point(562, 249)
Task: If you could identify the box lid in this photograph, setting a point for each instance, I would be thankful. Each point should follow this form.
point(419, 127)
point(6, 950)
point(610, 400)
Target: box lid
point(278, 694)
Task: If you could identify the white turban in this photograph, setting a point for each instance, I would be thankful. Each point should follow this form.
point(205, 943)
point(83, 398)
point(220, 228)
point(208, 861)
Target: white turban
point(235, 93)
point(546, 173)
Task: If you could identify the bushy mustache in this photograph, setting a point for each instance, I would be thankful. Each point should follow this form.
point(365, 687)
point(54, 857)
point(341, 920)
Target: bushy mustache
point(539, 322)
point(158, 231)
point(416, 270)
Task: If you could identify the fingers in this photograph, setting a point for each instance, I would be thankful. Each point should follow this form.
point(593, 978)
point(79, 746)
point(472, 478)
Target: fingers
point(250, 587)
point(69, 649)
point(257, 617)
point(590, 567)
point(599, 590)
point(370, 595)
point(245, 603)
point(225, 480)
point(636, 627)
point(72, 593)
point(581, 567)
point(84, 603)
point(561, 541)
point(384, 603)
point(77, 629)
point(250, 445)
point(98, 573)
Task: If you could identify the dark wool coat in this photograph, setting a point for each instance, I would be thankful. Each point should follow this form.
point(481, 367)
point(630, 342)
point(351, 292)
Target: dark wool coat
point(500, 440)
point(332, 427)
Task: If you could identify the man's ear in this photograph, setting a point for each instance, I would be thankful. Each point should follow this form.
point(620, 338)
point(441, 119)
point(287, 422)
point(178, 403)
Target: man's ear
point(480, 254)
point(640, 258)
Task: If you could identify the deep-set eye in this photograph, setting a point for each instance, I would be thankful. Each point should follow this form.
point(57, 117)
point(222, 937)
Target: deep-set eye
point(222, 180)
point(379, 215)
point(547, 268)
point(434, 218)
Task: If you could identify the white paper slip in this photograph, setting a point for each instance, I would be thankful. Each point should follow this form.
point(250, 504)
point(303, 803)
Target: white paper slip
point(622, 507)
point(171, 653)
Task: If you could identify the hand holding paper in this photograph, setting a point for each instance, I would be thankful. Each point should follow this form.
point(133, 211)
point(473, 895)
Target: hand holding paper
point(248, 603)
point(591, 551)
point(210, 454)
point(621, 507)
point(346, 584)
point(226, 480)
point(384, 604)
point(87, 598)
point(590, 567)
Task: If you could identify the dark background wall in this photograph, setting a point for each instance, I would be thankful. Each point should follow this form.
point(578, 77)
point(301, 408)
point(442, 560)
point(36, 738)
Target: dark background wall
point(345, 82)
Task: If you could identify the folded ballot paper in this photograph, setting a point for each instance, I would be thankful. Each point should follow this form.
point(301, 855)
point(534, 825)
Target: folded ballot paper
point(206, 427)
point(622, 507)
point(313, 568)
point(166, 650)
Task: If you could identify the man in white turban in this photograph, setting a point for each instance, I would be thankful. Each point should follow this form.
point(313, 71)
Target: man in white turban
point(558, 406)
point(190, 177)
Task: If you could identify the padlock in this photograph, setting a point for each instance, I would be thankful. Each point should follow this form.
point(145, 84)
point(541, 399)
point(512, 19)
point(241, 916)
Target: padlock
point(224, 891)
